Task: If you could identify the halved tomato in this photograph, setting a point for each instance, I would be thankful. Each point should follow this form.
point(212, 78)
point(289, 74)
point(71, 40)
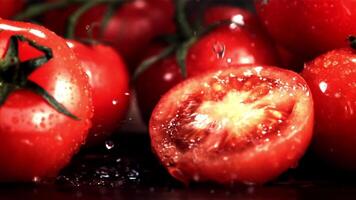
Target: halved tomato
point(238, 125)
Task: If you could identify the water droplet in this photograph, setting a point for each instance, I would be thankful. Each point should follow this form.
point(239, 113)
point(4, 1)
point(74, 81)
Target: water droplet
point(36, 179)
point(109, 144)
point(114, 102)
point(219, 49)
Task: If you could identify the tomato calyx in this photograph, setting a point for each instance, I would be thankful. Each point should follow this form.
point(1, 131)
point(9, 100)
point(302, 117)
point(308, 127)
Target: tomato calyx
point(14, 73)
point(180, 43)
point(84, 6)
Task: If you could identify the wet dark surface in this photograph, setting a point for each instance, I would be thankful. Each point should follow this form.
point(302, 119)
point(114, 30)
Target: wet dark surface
point(125, 168)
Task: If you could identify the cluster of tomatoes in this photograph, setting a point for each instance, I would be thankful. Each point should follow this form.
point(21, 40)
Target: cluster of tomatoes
point(224, 97)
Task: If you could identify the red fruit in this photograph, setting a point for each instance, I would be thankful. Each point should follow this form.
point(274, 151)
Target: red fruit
point(36, 140)
point(129, 30)
point(309, 27)
point(245, 124)
point(156, 81)
point(332, 80)
point(109, 80)
point(9, 8)
point(228, 45)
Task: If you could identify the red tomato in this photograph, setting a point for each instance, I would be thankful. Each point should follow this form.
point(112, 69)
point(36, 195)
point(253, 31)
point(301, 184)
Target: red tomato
point(245, 124)
point(309, 27)
point(290, 60)
point(9, 8)
point(238, 15)
point(332, 80)
point(249, 21)
point(129, 30)
point(156, 81)
point(228, 45)
point(109, 81)
point(36, 140)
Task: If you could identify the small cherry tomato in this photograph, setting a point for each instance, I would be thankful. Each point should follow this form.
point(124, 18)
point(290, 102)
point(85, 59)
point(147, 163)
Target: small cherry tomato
point(229, 45)
point(130, 29)
point(309, 27)
point(332, 80)
point(236, 125)
point(109, 81)
point(36, 139)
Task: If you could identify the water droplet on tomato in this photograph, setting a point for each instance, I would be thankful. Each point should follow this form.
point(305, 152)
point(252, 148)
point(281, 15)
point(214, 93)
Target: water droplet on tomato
point(109, 144)
point(219, 50)
point(36, 179)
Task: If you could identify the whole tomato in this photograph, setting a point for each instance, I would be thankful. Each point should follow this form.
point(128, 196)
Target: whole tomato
point(9, 8)
point(109, 81)
point(332, 80)
point(250, 21)
point(235, 125)
point(130, 29)
point(37, 140)
point(309, 27)
point(228, 45)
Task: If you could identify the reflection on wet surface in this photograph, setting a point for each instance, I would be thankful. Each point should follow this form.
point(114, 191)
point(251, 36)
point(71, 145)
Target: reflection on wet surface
point(128, 170)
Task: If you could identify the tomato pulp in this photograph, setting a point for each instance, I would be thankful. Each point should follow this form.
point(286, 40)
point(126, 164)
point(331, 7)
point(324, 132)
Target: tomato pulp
point(246, 124)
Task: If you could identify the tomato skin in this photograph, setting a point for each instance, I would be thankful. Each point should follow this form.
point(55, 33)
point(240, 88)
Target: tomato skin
point(10, 7)
point(309, 27)
point(130, 29)
point(260, 162)
point(249, 21)
point(229, 46)
point(226, 46)
point(331, 78)
point(37, 140)
point(156, 81)
point(109, 81)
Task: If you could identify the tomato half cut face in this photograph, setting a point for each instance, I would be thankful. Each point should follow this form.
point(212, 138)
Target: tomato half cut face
point(247, 124)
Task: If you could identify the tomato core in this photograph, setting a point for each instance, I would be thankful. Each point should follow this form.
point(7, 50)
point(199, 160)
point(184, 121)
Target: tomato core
point(241, 112)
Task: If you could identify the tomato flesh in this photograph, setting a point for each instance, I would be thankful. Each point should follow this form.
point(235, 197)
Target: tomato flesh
point(204, 122)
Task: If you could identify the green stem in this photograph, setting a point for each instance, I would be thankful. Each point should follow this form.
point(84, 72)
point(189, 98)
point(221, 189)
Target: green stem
point(39, 9)
point(73, 19)
point(181, 18)
point(154, 59)
point(182, 53)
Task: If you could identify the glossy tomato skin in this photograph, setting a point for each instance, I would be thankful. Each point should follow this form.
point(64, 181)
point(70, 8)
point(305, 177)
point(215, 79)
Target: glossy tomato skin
point(109, 81)
point(130, 29)
point(309, 27)
point(249, 21)
point(228, 45)
point(9, 8)
point(239, 15)
point(37, 140)
point(156, 81)
point(332, 80)
point(196, 141)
